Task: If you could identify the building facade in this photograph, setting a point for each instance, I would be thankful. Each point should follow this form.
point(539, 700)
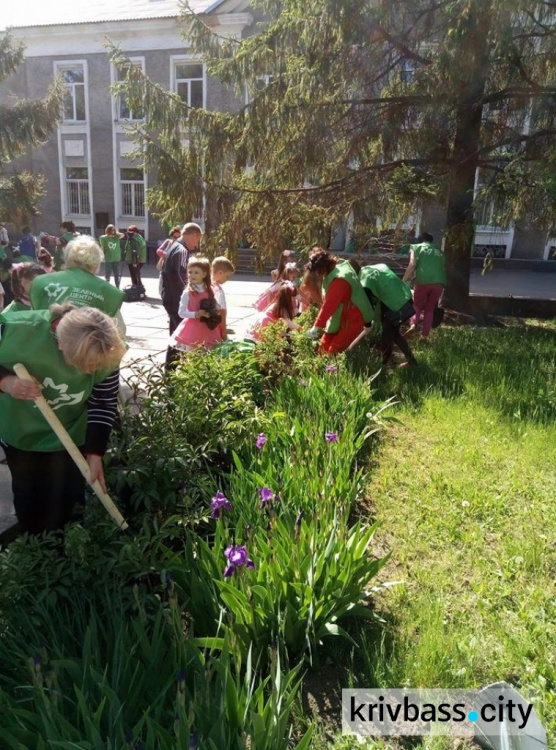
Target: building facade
point(93, 176)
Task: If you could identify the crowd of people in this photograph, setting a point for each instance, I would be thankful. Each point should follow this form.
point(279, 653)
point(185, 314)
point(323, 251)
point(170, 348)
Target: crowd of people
point(63, 322)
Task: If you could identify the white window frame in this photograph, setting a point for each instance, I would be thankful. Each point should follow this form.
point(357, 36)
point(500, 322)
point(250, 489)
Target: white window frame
point(176, 60)
point(139, 62)
point(59, 67)
point(550, 242)
point(81, 184)
point(132, 185)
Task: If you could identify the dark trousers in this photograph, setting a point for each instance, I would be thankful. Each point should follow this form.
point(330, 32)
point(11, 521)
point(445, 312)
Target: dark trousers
point(391, 335)
point(135, 273)
point(172, 355)
point(45, 486)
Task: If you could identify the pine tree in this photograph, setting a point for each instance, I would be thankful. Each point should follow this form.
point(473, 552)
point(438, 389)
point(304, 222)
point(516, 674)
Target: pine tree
point(23, 124)
point(372, 108)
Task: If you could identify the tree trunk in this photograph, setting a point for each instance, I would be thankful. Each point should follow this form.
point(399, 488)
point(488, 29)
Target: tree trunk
point(459, 214)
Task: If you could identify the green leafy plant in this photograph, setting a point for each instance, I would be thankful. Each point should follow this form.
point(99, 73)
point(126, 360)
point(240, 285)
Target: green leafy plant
point(89, 677)
point(180, 430)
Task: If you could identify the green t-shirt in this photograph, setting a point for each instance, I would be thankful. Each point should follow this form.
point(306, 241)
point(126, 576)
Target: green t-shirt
point(111, 248)
point(77, 286)
point(27, 337)
point(383, 283)
point(430, 268)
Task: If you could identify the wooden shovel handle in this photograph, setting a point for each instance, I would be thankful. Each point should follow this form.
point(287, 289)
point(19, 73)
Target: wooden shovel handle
point(64, 437)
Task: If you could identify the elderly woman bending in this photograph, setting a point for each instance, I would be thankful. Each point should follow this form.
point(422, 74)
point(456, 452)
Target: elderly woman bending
point(73, 353)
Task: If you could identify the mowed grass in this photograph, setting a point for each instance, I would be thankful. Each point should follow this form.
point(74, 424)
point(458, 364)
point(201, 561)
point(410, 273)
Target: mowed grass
point(465, 488)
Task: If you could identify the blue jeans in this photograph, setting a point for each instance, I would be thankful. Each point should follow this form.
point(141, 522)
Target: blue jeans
point(116, 269)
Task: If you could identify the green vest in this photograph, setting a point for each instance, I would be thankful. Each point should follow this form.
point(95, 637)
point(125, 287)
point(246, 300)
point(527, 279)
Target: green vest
point(383, 283)
point(344, 270)
point(77, 286)
point(16, 306)
point(111, 248)
point(430, 267)
point(28, 337)
point(136, 250)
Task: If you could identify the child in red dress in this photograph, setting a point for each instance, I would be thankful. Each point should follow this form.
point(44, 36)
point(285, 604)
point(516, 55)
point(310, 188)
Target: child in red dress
point(196, 327)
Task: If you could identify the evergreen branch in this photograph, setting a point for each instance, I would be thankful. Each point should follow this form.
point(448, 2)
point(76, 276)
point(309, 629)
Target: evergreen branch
point(12, 56)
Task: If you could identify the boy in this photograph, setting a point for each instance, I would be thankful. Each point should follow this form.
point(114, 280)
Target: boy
point(221, 270)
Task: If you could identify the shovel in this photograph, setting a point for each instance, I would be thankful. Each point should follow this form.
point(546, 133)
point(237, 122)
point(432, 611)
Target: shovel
point(64, 437)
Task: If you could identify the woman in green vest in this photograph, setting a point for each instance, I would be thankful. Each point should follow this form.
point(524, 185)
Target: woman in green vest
point(68, 232)
point(135, 256)
point(426, 261)
point(78, 282)
point(22, 274)
point(345, 309)
point(73, 354)
point(110, 244)
point(391, 299)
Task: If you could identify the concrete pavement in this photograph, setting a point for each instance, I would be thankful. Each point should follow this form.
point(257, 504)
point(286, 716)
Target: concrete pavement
point(147, 325)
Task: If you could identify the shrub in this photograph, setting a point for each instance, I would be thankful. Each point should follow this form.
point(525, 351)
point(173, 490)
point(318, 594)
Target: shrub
point(165, 452)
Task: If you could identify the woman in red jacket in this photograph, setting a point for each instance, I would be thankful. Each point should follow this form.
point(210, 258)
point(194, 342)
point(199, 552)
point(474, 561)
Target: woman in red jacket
point(345, 309)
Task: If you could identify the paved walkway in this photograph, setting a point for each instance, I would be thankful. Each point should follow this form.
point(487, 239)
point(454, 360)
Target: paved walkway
point(147, 324)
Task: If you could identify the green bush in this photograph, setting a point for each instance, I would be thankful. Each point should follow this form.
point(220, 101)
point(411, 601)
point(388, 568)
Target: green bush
point(165, 452)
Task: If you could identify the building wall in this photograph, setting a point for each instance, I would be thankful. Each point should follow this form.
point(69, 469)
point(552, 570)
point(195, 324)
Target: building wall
point(102, 135)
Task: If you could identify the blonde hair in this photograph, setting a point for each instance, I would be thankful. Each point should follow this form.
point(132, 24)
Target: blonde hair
point(221, 263)
point(88, 338)
point(84, 252)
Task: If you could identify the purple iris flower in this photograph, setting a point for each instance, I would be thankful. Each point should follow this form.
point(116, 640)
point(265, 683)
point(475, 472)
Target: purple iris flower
point(261, 440)
point(219, 502)
point(331, 437)
point(331, 368)
point(266, 496)
point(237, 557)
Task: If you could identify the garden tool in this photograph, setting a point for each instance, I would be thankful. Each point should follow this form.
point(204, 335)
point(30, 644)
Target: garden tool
point(63, 436)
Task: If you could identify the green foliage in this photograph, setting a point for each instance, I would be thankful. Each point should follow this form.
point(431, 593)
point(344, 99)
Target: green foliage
point(23, 123)
point(166, 451)
point(381, 105)
point(88, 676)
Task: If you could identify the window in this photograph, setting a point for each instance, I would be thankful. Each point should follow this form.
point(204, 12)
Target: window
point(189, 83)
point(123, 108)
point(73, 108)
point(263, 81)
point(77, 190)
point(407, 72)
point(132, 183)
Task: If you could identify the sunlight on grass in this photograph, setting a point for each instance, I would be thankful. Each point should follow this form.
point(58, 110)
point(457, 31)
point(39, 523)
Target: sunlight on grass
point(465, 490)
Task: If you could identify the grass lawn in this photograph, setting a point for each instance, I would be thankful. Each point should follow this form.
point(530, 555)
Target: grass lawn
point(465, 488)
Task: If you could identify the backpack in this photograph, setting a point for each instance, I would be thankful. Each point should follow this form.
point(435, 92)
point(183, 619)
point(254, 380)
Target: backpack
point(132, 293)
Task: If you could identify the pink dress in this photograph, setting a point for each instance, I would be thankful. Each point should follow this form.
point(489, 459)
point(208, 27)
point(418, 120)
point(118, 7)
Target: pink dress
point(267, 317)
point(193, 332)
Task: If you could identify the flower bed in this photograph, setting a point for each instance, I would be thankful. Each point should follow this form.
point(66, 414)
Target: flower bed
point(240, 479)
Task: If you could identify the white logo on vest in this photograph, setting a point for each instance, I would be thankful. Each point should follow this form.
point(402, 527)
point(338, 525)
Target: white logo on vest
point(55, 290)
point(64, 398)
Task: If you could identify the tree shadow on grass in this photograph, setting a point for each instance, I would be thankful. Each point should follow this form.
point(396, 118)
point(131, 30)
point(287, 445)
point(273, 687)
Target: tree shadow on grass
point(510, 370)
